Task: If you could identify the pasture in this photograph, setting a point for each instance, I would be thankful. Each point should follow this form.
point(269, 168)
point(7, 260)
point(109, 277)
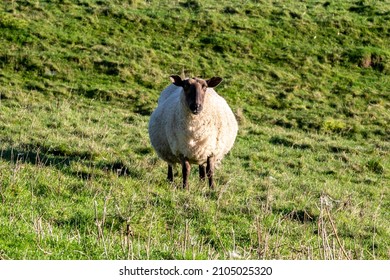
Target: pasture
point(308, 177)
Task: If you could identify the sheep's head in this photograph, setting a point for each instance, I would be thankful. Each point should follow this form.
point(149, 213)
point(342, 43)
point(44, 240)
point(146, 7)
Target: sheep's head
point(195, 90)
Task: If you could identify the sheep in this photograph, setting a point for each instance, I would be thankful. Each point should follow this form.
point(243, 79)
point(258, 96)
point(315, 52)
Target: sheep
point(192, 124)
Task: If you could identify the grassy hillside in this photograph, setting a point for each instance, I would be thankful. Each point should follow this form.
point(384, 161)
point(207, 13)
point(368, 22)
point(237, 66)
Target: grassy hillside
point(308, 177)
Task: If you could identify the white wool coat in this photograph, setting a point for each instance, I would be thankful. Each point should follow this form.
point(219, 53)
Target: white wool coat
point(175, 132)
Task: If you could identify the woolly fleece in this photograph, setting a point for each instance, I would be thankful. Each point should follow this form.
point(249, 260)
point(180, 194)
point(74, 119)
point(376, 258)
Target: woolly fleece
point(175, 132)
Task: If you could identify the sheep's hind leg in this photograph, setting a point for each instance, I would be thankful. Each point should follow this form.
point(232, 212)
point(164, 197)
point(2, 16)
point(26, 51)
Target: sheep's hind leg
point(210, 171)
point(202, 172)
point(170, 173)
point(186, 168)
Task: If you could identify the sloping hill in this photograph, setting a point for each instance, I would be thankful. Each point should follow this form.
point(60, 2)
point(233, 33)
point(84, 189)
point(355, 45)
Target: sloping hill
point(308, 177)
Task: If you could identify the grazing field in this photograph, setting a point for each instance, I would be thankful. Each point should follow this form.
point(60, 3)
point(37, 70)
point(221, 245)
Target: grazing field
point(308, 177)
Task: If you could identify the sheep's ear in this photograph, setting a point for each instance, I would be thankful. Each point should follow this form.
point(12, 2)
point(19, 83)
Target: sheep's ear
point(213, 82)
point(176, 80)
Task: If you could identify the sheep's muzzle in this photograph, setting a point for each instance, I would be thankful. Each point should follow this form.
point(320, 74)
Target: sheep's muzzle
point(196, 108)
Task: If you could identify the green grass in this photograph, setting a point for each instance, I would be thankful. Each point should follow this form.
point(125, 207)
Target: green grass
point(308, 177)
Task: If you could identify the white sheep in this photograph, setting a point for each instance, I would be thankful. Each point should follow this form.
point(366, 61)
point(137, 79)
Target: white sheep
point(192, 124)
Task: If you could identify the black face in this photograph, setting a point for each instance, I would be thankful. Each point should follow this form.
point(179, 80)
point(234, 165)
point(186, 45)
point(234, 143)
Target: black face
point(195, 90)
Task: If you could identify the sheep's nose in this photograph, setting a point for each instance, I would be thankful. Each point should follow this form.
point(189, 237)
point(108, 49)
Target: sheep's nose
point(196, 108)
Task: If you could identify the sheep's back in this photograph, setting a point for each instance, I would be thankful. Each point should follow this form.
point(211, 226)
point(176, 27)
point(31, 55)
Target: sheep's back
point(168, 92)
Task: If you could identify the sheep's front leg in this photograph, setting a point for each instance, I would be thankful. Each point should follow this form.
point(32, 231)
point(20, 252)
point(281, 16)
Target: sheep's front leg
point(202, 172)
point(170, 173)
point(186, 168)
point(210, 171)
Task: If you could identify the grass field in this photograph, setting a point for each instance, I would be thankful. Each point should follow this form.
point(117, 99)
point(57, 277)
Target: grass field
point(308, 177)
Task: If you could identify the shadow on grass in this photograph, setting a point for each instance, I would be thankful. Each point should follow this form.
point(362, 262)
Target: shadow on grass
point(15, 156)
point(63, 162)
point(299, 215)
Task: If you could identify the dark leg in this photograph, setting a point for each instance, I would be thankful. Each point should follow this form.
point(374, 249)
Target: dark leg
point(186, 168)
point(170, 173)
point(210, 171)
point(202, 172)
